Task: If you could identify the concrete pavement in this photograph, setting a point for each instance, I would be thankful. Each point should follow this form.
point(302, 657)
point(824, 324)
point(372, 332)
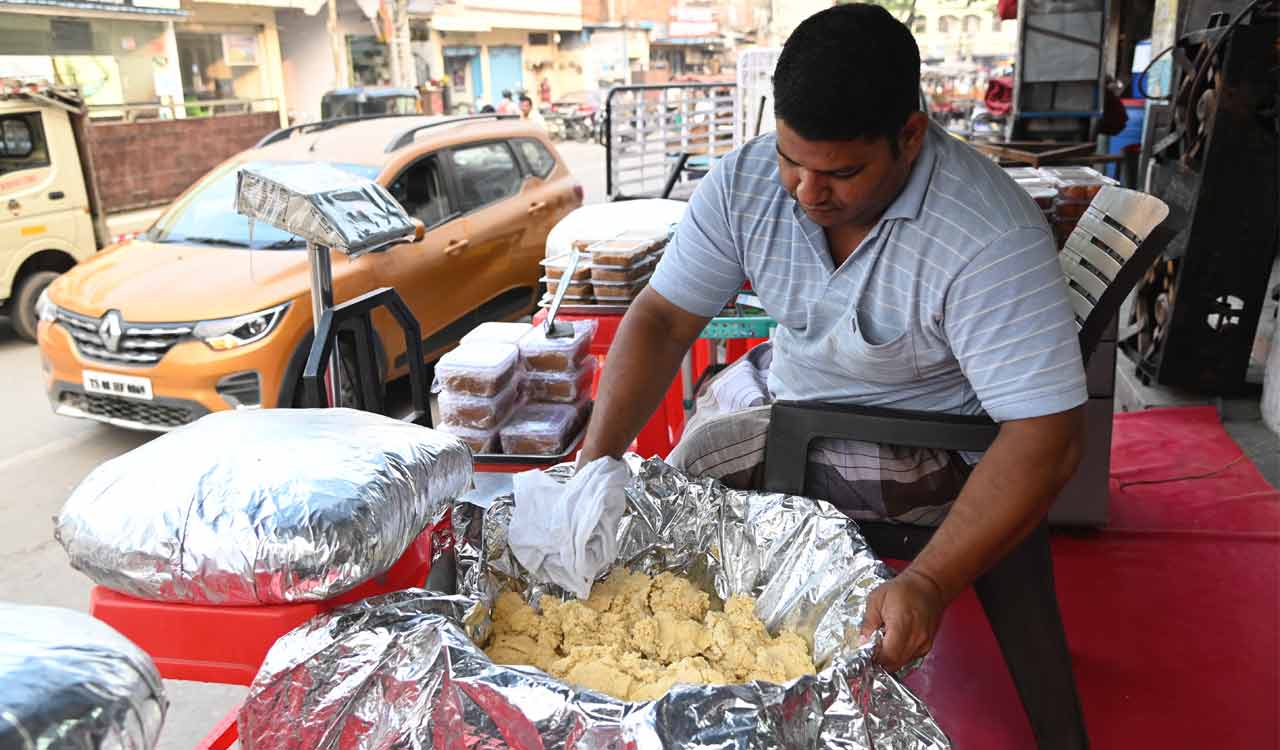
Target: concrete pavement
point(43, 457)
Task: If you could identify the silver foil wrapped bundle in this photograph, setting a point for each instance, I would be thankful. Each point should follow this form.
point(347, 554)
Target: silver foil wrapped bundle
point(70, 682)
point(262, 507)
point(403, 670)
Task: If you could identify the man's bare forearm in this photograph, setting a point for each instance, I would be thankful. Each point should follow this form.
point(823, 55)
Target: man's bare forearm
point(1006, 496)
point(642, 361)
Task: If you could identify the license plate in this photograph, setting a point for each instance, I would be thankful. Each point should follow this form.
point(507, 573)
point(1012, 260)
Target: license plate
point(111, 384)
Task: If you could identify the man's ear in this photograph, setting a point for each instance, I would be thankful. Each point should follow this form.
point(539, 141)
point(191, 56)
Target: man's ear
point(911, 137)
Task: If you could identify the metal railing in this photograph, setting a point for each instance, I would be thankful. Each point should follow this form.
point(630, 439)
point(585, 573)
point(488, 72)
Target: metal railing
point(135, 111)
point(657, 134)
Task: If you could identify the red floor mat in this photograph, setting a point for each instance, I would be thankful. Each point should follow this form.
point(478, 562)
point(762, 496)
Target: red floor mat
point(1172, 613)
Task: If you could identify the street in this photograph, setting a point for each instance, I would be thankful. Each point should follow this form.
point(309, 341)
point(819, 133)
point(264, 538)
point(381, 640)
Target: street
point(43, 457)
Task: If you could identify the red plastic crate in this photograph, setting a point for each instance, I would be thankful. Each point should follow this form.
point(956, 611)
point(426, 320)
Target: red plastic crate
point(227, 645)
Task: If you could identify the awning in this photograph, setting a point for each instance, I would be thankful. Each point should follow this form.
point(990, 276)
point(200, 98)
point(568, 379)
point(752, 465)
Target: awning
point(161, 8)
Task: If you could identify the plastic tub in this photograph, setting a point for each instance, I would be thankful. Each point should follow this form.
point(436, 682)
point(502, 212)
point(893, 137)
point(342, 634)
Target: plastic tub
point(479, 441)
point(619, 253)
point(562, 387)
point(563, 355)
point(502, 333)
point(481, 368)
point(624, 291)
point(539, 429)
point(1043, 196)
point(576, 288)
point(1076, 184)
point(616, 274)
point(656, 238)
point(1070, 210)
point(478, 412)
point(555, 267)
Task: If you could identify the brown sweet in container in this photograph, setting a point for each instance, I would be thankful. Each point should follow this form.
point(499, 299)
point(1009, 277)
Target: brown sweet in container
point(479, 441)
point(576, 288)
point(555, 267)
point(477, 412)
point(622, 291)
point(616, 274)
point(482, 368)
point(619, 252)
point(561, 355)
point(1069, 210)
point(561, 387)
point(539, 429)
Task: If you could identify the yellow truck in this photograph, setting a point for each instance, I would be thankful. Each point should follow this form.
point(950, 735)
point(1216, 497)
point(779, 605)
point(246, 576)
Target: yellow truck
point(50, 214)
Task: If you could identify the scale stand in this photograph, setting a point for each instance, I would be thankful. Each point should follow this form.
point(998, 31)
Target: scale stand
point(334, 210)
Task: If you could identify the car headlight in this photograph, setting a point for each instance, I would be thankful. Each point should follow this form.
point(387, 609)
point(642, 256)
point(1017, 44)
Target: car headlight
point(46, 310)
point(230, 333)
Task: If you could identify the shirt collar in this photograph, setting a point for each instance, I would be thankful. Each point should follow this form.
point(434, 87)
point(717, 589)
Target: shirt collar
point(909, 202)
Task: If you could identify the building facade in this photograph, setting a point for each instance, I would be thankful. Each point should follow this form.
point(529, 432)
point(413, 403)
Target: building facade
point(486, 47)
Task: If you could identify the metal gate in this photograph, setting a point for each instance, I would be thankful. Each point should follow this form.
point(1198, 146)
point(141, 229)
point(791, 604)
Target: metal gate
point(657, 135)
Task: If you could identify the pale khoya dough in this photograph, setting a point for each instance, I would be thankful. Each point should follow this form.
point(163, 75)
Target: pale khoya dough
point(636, 636)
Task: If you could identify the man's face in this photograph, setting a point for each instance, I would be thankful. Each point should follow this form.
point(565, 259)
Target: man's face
point(847, 182)
point(525, 106)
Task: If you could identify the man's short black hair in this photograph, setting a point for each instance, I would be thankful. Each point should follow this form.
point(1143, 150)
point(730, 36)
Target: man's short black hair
point(848, 72)
point(525, 98)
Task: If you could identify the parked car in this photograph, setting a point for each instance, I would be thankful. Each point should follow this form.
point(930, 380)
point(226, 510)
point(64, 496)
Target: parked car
point(205, 312)
point(369, 100)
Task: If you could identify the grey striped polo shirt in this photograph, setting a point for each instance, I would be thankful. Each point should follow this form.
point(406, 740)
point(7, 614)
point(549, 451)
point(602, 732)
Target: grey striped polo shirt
point(954, 302)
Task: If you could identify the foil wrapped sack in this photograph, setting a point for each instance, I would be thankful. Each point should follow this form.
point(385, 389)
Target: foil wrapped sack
point(262, 507)
point(68, 681)
point(404, 670)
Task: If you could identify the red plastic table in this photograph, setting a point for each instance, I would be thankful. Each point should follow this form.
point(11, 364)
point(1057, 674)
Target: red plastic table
point(226, 645)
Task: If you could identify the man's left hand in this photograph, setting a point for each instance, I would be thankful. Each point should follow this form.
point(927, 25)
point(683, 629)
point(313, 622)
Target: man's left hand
point(910, 608)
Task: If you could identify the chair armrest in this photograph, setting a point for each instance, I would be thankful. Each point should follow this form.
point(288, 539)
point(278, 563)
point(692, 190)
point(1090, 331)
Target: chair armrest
point(793, 425)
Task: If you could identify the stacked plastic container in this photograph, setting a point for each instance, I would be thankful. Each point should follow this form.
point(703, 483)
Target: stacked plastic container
point(612, 272)
point(558, 374)
point(480, 384)
point(1062, 193)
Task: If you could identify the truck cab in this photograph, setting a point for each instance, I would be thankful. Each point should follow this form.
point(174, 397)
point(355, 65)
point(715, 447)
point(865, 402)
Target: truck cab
point(48, 216)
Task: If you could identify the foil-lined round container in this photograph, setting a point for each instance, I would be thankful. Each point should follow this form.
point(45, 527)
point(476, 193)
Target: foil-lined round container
point(405, 670)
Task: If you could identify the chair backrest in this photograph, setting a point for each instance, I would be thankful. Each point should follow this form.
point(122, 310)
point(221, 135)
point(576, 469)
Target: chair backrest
point(1115, 242)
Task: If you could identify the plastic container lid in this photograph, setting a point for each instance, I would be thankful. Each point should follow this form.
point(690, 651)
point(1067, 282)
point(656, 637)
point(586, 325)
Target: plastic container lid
point(561, 262)
point(488, 359)
point(619, 253)
point(501, 333)
point(535, 342)
point(541, 420)
point(1062, 176)
point(1020, 173)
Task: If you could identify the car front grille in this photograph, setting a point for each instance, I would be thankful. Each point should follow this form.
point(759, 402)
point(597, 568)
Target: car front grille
point(138, 344)
point(129, 411)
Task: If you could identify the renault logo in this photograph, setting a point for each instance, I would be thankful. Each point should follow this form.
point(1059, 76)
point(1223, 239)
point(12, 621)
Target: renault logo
point(109, 331)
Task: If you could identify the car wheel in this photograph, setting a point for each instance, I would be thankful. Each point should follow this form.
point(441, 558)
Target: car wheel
point(347, 388)
point(23, 305)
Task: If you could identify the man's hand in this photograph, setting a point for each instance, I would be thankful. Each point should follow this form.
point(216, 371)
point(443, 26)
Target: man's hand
point(910, 608)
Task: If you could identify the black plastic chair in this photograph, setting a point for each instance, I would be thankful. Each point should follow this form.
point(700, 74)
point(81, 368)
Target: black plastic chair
point(1113, 245)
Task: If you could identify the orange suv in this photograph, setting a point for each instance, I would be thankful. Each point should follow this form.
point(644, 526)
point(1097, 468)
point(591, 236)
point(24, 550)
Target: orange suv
point(205, 312)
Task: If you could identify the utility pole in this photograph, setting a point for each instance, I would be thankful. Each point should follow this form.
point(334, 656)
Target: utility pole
point(337, 46)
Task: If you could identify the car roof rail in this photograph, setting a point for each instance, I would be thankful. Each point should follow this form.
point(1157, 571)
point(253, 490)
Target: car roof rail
point(406, 137)
point(321, 125)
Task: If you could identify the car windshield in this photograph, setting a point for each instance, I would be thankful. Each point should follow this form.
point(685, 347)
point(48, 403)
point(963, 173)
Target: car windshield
point(207, 215)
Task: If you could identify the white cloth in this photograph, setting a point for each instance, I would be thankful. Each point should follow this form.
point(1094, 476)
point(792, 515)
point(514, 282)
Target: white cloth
point(567, 534)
